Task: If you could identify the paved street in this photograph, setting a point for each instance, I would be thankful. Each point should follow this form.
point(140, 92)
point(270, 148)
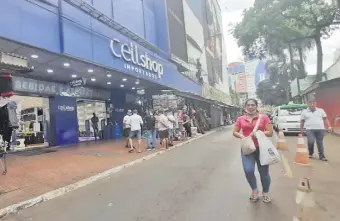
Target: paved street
point(197, 182)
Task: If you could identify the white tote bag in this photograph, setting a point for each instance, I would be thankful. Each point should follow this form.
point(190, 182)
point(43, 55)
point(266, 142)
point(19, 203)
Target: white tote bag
point(247, 143)
point(268, 152)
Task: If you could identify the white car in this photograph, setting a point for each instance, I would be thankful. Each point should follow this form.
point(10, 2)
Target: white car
point(288, 118)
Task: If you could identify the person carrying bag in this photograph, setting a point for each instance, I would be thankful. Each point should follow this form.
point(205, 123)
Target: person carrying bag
point(247, 144)
point(253, 127)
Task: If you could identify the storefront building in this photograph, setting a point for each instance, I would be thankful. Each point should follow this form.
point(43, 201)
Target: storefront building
point(96, 43)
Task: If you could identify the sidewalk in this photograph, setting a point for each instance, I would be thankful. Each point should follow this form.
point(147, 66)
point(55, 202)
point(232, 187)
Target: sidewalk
point(36, 172)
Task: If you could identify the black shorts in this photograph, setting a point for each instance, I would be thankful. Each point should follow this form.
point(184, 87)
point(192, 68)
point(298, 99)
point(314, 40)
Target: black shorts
point(163, 134)
point(126, 132)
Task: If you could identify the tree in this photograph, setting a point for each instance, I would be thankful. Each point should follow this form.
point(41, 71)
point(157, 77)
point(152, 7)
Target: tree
point(262, 34)
point(271, 94)
point(319, 16)
point(270, 27)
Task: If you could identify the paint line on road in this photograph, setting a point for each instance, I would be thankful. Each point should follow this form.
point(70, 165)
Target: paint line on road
point(287, 168)
point(72, 187)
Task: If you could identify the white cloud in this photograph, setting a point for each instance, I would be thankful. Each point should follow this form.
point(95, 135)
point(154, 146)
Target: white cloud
point(233, 13)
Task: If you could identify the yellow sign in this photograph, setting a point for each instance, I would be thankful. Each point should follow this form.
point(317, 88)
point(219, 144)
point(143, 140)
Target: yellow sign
point(215, 94)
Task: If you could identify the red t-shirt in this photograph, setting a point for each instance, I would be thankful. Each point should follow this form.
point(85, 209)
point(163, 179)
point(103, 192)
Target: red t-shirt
point(247, 127)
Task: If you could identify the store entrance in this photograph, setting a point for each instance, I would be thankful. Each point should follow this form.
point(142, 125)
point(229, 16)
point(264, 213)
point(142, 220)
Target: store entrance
point(33, 113)
point(85, 111)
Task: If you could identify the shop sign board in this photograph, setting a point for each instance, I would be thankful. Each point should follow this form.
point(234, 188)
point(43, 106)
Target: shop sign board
point(80, 82)
point(32, 86)
point(135, 60)
point(215, 94)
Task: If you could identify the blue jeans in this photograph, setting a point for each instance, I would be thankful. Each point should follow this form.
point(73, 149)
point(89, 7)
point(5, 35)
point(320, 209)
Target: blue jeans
point(154, 137)
point(248, 162)
point(312, 136)
point(148, 136)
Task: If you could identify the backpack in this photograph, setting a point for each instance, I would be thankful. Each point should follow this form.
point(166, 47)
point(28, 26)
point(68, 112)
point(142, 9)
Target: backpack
point(13, 121)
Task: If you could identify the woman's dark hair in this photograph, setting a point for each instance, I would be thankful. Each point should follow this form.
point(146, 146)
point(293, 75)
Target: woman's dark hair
point(251, 99)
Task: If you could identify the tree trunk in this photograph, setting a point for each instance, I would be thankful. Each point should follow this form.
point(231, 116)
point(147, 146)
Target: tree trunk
point(338, 3)
point(292, 68)
point(302, 63)
point(319, 67)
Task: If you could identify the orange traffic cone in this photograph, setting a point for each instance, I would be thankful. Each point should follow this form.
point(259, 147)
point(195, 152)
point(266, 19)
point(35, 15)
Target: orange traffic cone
point(301, 152)
point(281, 141)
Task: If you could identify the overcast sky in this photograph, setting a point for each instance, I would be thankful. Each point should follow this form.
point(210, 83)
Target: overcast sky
point(232, 13)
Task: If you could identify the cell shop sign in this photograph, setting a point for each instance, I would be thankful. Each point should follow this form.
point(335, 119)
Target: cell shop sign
point(135, 60)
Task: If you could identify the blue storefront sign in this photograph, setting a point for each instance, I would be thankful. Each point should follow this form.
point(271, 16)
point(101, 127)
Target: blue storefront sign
point(68, 30)
point(64, 121)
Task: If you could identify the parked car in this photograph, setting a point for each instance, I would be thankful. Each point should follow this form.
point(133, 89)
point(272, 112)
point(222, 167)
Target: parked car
point(288, 117)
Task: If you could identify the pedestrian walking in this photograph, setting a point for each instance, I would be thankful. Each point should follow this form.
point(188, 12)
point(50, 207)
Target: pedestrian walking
point(246, 124)
point(127, 127)
point(136, 123)
point(95, 121)
point(163, 128)
point(314, 120)
point(150, 123)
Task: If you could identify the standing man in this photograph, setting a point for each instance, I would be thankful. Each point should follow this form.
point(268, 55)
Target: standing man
point(136, 123)
point(156, 132)
point(172, 122)
point(314, 119)
point(187, 124)
point(150, 130)
point(127, 127)
point(163, 128)
point(95, 121)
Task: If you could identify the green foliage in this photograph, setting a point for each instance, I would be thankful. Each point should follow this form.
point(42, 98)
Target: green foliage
point(271, 28)
point(271, 94)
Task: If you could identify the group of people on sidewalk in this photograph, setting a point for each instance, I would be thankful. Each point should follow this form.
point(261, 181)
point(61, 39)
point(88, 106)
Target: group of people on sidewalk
point(313, 121)
point(162, 124)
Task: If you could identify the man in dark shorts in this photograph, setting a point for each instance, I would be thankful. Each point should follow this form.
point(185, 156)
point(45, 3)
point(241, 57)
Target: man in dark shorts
point(163, 128)
point(127, 127)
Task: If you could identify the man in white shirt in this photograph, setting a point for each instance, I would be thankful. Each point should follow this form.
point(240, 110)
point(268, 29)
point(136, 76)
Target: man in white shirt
point(172, 122)
point(127, 127)
point(314, 119)
point(163, 127)
point(136, 123)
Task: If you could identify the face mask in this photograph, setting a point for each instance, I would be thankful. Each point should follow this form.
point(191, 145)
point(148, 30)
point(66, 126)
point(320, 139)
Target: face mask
point(251, 112)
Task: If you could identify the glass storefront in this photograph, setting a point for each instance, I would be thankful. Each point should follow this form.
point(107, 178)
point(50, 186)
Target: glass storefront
point(85, 111)
point(33, 113)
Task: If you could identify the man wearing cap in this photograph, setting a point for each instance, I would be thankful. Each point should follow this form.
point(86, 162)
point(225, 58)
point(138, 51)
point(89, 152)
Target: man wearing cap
point(314, 120)
point(127, 127)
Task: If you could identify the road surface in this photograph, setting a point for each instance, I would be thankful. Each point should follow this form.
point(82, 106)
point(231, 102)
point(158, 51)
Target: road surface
point(200, 181)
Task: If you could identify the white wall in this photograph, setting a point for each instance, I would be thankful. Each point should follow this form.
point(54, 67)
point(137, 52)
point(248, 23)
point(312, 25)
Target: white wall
point(333, 71)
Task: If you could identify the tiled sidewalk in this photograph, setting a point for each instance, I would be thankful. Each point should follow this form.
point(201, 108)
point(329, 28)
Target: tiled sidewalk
point(33, 173)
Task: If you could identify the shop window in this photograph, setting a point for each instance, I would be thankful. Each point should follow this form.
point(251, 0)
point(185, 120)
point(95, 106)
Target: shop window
point(85, 110)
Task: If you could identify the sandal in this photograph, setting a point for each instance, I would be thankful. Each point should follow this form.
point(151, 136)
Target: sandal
point(130, 151)
point(266, 199)
point(253, 198)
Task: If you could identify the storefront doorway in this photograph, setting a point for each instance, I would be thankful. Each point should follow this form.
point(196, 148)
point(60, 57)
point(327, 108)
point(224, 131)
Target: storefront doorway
point(85, 111)
point(33, 113)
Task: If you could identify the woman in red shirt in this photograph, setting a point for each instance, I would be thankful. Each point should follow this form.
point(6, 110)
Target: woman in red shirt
point(246, 124)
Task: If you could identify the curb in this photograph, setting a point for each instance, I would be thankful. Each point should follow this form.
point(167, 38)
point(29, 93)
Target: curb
point(69, 188)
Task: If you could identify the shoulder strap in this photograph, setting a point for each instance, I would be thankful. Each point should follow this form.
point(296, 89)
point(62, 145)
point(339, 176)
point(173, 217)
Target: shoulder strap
point(257, 123)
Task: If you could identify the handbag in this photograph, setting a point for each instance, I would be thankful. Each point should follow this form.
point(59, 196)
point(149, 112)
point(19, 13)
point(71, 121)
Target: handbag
point(247, 143)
